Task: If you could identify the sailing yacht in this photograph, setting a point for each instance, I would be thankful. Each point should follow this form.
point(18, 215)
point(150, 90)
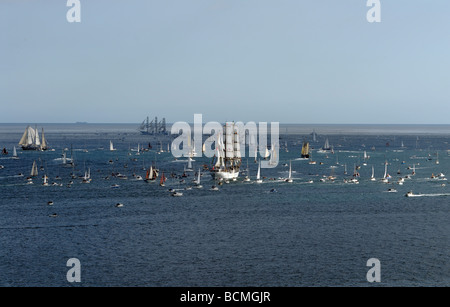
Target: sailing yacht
point(189, 165)
point(305, 150)
point(247, 178)
point(45, 181)
point(386, 176)
point(151, 175)
point(34, 170)
point(258, 174)
point(111, 146)
point(87, 176)
point(15, 156)
point(326, 147)
point(197, 183)
point(372, 178)
point(273, 155)
point(163, 180)
point(289, 179)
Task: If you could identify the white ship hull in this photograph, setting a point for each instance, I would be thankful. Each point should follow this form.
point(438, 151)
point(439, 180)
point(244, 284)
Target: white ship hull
point(224, 175)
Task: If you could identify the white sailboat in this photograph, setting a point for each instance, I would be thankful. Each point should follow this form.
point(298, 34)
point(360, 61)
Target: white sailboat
point(15, 156)
point(87, 176)
point(273, 155)
point(111, 146)
point(198, 185)
point(258, 174)
point(386, 176)
point(34, 170)
point(372, 178)
point(247, 178)
point(43, 145)
point(289, 179)
point(189, 165)
point(45, 181)
point(326, 147)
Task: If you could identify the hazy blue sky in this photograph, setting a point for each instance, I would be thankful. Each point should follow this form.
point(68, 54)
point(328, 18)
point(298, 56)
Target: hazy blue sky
point(292, 61)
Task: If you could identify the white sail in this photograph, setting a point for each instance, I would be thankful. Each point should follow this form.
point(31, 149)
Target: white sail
point(273, 155)
point(44, 141)
point(25, 137)
point(37, 141)
point(14, 152)
point(111, 146)
point(229, 154)
point(326, 146)
point(30, 138)
point(258, 174)
point(34, 170)
point(189, 163)
point(290, 171)
point(150, 173)
point(266, 153)
point(198, 176)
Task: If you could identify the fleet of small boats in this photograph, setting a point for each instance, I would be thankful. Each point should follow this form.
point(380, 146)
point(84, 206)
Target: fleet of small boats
point(225, 167)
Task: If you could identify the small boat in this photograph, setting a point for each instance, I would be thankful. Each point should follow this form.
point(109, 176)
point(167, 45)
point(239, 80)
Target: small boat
point(214, 188)
point(410, 194)
point(163, 180)
point(198, 185)
point(305, 150)
point(119, 205)
point(177, 194)
point(258, 174)
point(111, 146)
point(45, 181)
point(392, 190)
point(289, 179)
point(372, 178)
point(53, 215)
point(15, 156)
point(115, 186)
point(50, 203)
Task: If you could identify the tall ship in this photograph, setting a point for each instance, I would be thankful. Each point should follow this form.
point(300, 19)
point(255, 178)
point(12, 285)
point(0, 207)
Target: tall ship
point(227, 160)
point(305, 150)
point(31, 141)
point(153, 127)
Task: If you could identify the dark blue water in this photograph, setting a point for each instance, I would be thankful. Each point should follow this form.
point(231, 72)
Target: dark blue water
point(301, 234)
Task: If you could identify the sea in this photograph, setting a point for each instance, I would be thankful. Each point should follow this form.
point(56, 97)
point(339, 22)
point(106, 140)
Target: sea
point(320, 230)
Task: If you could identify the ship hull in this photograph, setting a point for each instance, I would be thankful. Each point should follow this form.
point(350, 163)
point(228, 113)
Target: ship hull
point(224, 175)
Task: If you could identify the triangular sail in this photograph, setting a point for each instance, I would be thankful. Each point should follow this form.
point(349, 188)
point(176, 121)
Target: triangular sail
point(258, 174)
point(44, 141)
point(34, 170)
point(290, 170)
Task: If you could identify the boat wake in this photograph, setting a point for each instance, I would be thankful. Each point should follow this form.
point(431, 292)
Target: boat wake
point(429, 195)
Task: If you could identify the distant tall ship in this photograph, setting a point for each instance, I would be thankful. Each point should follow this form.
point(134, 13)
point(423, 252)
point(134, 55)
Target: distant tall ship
point(153, 127)
point(305, 150)
point(227, 160)
point(30, 140)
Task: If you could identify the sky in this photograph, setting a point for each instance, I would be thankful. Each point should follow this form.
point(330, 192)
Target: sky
point(287, 61)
